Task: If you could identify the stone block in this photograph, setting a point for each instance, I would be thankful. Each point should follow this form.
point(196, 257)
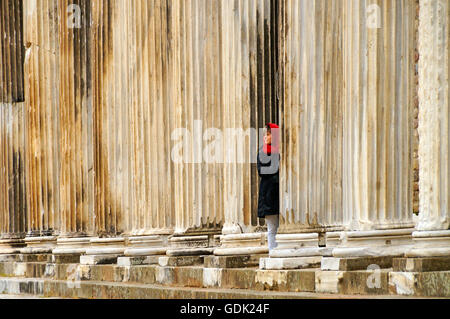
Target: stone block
point(189, 251)
point(420, 284)
point(167, 261)
point(131, 252)
point(286, 280)
point(421, 264)
point(301, 252)
point(239, 261)
point(142, 260)
point(349, 264)
point(328, 281)
point(66, 259)
point(290, 263)
point(98, 259)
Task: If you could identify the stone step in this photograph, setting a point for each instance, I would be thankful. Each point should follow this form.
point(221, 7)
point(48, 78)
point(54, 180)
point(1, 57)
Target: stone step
point(362, 282)
point(48, 288)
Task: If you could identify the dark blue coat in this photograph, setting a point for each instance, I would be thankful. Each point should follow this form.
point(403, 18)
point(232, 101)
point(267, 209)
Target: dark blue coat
point(269, 187)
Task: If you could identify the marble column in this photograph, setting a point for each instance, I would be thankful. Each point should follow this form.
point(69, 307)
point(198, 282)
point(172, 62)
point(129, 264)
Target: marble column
point(310, 85)
point(13, 219)
point(249, 102)
point(42, 113)
point(379, 72)
point(432, 237)
point(76, 130)
point(196, 91)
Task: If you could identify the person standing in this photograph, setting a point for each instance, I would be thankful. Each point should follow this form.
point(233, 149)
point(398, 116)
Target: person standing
point(268, 162)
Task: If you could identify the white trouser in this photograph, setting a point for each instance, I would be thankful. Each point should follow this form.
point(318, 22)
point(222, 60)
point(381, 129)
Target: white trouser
point(272, 228)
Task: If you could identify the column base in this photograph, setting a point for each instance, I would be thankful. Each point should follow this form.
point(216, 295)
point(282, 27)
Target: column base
point(297, 241)
point(301, 252)
point(289, 263)
point(106, 246)
point(376, 243)
point(39, 245)
point(137, 260)
point(11, 246)
point(238, 261)
point(333, 239)
point(146, 246)
point(192, 245)
point(72, 246)
point(242, 244)
point(430, 244)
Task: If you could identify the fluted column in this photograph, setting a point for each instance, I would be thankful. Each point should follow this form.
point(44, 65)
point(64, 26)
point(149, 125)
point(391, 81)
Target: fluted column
point(196, 92)
point(311, 86)
point(42, 114)
point(249, 102)
point(379, 46)
point(433, 235)
point(13, 219)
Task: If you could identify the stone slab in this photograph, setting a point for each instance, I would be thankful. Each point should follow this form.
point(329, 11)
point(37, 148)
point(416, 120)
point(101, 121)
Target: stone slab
point(290, 263)
point(240, 261)
point(349, 264)
point(105, 251)
point(131, 252)
point(241, 251)
point(420, 284)
point(328, 281)
point(167, 261)
point(8, 258)
point(421, 264)
point(66, 259)
point(428, 252)
point(141, 260)
point(368, 251)
point(301, 252)
point(189, 251)
point(286, 280)
point(293, 241)
point(98, 259)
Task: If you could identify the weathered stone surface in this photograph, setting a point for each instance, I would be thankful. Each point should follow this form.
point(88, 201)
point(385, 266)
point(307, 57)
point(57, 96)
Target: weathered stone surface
point(328, 281)
point(421, 264)
point(98, 259)
point(232, 261)
point(300, 280)
point(145, 251)
point(240, 251)
point(180, 261)
point(301, 252)
point(142, 260)
point(290, 263)
point(66, 259)
point(332, 263)
point(189, 251)
point(420, 284)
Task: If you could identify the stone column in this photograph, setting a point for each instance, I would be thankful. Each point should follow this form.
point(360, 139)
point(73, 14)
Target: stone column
point(13, 219)
point(42, 114)
point(310, 86)
point(196, 94)
point(76, 129)
point(249, 102)
point(432, 237)
point(379, 46)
